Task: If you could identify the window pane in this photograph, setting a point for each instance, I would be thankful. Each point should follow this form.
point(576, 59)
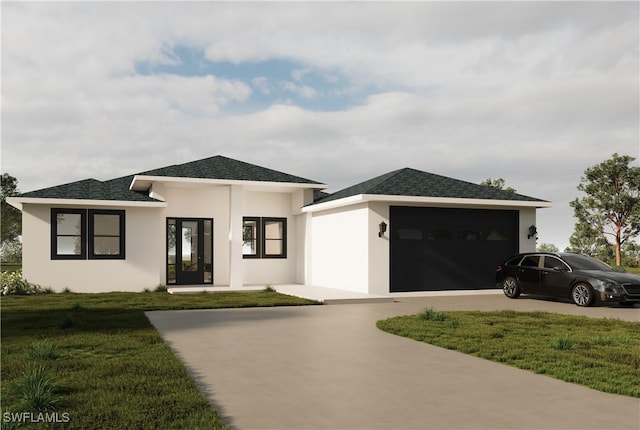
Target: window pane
point(273, 229)
point(106, 225)
point(273, 247)
point(171, 242)
point(250, 237)
point(69, 245)
point(106, 245)
point(189, 246)
point(69, 224)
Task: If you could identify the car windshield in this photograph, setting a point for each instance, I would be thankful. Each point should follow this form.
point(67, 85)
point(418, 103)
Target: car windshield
point(583, 262)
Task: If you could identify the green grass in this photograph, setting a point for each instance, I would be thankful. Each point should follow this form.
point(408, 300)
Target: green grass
point(635, 270)
point(603, 354)
point(97, 358)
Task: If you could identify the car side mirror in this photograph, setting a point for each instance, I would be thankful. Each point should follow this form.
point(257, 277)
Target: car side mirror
point(559, 269)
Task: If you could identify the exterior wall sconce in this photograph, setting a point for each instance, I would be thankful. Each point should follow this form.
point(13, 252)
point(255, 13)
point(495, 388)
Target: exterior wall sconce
point(532, 232)
point(383, 228)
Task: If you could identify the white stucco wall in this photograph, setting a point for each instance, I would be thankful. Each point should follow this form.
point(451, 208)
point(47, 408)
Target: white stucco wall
point(527, 218)
point(201, 202)
point(340, 248)
point(345, 250)
point(140, 270)
point(379, 257)
point(262, 271)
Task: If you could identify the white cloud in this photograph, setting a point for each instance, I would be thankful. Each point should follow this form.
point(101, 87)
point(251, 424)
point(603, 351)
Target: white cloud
point(262, 84)
point(531, 92)
point(303, 91)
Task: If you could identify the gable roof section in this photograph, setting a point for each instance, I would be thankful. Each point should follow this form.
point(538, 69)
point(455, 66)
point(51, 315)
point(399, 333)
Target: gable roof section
point(416, 183)
point(118, 189)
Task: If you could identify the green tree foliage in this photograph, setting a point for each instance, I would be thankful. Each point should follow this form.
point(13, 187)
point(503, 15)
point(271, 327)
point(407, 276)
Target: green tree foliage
point(498, 183)
point(11, 220)
point(609, 209)
point(547, 247)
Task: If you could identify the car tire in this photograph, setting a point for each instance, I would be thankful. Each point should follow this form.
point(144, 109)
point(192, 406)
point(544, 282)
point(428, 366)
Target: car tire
point(510, 287)
point(582, 294)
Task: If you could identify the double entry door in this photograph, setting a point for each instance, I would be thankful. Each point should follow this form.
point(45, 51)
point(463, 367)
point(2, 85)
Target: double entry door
point(189, 251)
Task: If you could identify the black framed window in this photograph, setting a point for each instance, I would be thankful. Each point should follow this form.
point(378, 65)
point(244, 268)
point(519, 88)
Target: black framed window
point(264, 237)
point(106, 234)
point(68, 234)
point(78, 234)
point(274, 237)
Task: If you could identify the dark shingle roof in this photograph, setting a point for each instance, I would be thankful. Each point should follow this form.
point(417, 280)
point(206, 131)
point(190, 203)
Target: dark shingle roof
point(220, 167)
point(411, 182)
point(92, 189)
point(217, 167)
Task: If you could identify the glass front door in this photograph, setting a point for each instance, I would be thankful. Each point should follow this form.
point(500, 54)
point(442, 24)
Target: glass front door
point(189, 251)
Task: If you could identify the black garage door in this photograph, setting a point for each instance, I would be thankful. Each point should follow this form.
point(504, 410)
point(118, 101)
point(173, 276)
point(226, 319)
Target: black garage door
point(449, 249)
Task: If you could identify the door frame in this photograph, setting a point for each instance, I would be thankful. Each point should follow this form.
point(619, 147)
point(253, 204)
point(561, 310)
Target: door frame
point(187, 277)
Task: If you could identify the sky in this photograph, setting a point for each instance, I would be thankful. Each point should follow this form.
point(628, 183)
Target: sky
point(336, 92)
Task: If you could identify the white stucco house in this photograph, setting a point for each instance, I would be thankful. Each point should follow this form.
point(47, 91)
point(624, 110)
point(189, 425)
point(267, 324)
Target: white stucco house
point(224, 222)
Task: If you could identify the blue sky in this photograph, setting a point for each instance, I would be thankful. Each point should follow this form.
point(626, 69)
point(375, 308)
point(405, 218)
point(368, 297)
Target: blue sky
point(272, 81)
point(338, 92)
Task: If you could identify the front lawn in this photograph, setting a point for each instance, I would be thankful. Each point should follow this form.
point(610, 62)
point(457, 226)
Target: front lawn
point(95, 360)
point(603, 354)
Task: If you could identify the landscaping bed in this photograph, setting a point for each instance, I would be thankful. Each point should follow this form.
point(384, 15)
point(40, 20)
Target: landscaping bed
point(95, 361)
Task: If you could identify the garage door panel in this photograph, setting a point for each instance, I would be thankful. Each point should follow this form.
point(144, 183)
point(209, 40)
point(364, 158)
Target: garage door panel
point(442, 248)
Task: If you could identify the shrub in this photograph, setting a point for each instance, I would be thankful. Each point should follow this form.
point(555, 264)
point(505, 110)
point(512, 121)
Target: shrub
point(431, 315)
point(161, 289)
point(562, 343)
point(12, 283)
point(36, 389)
point(42, 350)
point(269, 289)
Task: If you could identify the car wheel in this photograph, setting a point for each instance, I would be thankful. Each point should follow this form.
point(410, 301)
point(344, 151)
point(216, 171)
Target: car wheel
point(510, 287)
point(582, 294)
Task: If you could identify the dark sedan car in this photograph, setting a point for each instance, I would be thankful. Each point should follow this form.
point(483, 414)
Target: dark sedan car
point(581, 278)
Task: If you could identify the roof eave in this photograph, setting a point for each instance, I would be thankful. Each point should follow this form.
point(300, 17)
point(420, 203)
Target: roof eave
point(143, 182)
point(438, 201)
point(18, 202)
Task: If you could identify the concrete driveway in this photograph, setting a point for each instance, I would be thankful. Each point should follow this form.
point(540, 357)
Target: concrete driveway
point(329, 367)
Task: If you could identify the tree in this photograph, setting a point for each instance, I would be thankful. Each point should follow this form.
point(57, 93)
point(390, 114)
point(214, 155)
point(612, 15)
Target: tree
point(11, 220)
point(547, 247)
point(586, 240)
point(611, 206)
point(498, 183)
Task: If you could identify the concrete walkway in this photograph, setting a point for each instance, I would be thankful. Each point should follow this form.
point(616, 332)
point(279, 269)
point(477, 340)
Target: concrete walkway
point(320, 294)
point(329, 367)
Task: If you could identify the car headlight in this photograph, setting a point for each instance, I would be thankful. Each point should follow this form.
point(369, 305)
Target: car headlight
point(607, 286)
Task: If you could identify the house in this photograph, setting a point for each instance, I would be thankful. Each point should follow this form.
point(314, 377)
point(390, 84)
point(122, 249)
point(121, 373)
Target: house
point(220, 221)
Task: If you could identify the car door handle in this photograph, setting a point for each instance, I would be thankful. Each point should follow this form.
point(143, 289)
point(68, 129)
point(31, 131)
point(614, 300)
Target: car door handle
point(544, 272)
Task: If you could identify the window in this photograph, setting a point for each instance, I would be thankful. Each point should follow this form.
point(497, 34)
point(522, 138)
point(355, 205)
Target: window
point(106, 234)
point(531, 261)
point(264, 237)
point(78, 234)
point(68, 237)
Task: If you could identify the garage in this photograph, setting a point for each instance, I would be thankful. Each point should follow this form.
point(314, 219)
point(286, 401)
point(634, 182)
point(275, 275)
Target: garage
point(434, 248)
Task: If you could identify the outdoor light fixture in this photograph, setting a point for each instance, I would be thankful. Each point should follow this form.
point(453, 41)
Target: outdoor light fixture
point(383, 228)
point(532, 232)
